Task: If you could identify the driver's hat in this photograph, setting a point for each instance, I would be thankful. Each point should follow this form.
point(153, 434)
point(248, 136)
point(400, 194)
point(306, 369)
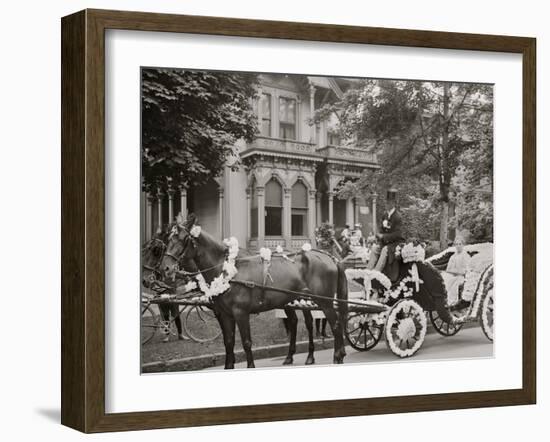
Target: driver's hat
point(391, 194)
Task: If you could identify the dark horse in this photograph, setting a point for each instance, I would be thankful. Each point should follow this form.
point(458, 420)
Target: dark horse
point(312, 272)
point(151, 257)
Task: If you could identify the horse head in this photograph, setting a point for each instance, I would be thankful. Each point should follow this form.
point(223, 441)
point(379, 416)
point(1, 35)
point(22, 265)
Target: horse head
point(151, 257)
point(181, 245)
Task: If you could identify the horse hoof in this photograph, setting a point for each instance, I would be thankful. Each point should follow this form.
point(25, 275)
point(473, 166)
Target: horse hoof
point(310, 361)
point(338, 360)
point(288, 361)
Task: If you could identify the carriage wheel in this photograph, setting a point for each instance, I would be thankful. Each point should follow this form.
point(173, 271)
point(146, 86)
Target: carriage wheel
point(150, 323)
point(201, 324)
point(405, 328)
point(444, 328)
point(487, 314)
point(362, 332)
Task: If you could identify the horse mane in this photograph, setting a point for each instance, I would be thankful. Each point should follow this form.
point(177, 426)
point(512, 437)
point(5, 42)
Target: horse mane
point(211, 243)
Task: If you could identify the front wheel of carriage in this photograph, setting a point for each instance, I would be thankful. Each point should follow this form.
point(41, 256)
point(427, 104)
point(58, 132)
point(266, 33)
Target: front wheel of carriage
point(405, 328)
point(362, 331)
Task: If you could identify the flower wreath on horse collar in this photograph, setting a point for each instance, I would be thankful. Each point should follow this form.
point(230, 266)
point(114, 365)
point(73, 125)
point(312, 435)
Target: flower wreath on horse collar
point(220, 283)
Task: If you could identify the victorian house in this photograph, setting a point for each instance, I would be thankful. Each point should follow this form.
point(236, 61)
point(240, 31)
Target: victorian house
point(289, 176)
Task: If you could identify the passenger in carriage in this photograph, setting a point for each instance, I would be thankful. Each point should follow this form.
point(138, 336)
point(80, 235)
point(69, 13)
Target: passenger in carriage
point(457, 267)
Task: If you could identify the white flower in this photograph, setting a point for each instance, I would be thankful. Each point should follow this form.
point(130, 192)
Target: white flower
point(195, 231)
point(191, 285)
point(279, 249)
point(386, 224)
point(306, 247)
point(265, 254)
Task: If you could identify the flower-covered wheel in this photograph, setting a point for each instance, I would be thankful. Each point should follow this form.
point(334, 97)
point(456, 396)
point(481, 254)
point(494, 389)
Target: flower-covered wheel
point(487, 314)
point(362, 331)
point(405, 328)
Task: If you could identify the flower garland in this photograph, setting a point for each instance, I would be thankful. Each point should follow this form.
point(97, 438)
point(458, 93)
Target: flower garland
point(368, 275)
point(220, 283)
point(412, 253)
point(403, 290)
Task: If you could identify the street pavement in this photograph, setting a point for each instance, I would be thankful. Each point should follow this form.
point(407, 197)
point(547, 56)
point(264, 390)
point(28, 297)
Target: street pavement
point(468, 343)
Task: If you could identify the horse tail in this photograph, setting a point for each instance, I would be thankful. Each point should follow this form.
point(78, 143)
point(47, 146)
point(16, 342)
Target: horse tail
point(342, 294)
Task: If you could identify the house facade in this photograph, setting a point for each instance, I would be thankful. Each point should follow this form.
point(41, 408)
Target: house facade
point(289, 177)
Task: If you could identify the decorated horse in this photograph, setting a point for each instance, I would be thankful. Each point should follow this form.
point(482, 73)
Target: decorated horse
point(238, 286)
point(151, 257)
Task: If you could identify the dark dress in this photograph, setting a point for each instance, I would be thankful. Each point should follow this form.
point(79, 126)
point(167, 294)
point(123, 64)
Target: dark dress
point(390, 236)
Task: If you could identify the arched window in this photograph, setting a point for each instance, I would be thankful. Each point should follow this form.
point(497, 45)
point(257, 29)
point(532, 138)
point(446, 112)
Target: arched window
point(299, 209)
point(273, 208)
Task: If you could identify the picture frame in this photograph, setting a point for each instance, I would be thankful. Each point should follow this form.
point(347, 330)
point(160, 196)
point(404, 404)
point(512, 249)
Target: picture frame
point(83, 220)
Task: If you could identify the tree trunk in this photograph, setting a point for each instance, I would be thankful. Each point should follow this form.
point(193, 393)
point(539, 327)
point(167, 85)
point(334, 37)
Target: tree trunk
point(444, 173)
point(443, 230)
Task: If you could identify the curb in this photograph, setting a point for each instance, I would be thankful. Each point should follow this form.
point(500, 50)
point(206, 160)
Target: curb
point(218, 359)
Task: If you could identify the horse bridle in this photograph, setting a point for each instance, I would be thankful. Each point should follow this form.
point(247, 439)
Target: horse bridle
point(154, 269)
point(178, 260)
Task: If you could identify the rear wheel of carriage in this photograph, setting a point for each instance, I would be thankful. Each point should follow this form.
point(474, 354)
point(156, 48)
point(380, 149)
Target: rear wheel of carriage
point(405, 328)
point(362, 332)
point(487, 314)
point(201, 324)
point(444, 328)
point(150, 323)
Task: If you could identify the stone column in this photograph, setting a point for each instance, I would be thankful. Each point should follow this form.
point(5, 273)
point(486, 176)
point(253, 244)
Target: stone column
point(149, 216)
point(220, 212)
point(312, 110)
point(330, 207)
point(171, 193)
point(160, 195)
point(248, 217)
point(349, 212)
point(183, 199)
point(311, 215)
point(374, 226)
point(318, 214)
point(261, 215)
point(287, 217)
point(357, 203)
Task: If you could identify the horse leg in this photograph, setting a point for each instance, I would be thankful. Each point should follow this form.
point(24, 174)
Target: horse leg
point(337, 332)
point(293, 326)
point(227, 324)
point(308, 319)
point(177, 321)
point(243, 322)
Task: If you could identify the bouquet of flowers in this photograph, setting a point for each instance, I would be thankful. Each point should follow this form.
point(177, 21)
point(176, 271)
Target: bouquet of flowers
point(324, 235)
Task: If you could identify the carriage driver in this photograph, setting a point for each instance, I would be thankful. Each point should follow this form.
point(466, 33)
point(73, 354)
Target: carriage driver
point(390, 236)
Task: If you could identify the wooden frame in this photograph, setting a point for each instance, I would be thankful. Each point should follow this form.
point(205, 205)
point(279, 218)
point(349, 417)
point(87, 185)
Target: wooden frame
point(83, 216)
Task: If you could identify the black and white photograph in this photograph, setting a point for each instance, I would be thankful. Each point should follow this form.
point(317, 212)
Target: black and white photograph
point(310, 220)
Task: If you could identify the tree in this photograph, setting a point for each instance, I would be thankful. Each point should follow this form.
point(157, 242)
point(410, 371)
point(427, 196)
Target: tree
point(421, 130)
point(191, 121)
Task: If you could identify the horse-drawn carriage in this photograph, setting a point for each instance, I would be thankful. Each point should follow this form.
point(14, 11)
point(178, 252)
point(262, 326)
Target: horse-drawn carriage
point(404, 323)
point(310, 280)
